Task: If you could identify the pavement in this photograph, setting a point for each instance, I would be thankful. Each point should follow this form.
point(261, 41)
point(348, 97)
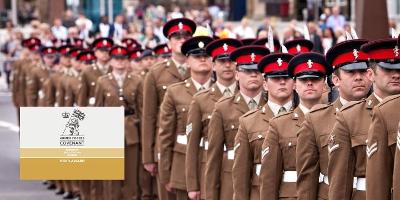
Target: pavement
point(11, 188)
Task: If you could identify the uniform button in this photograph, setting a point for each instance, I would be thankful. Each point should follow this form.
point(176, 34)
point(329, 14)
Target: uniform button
point(259, 136)
point(233, 126)
point(164, 87)
point(290, 144)
point(183, 109)
point(93, 83)
point(121, 98)
point(108, 94)
point(209, 116)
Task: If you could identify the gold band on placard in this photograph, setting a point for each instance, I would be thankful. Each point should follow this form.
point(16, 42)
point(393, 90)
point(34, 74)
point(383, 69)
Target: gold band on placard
point(71, 152)
point(71, 168)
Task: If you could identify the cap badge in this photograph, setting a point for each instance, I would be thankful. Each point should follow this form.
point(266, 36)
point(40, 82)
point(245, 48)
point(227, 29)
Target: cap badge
point(67, 49)
point(119, 50)
point(138, 53)
point(104, 42)
point(298, 48)
point(89, 56)
point(165, 49)
point(355, 54)
point(252, 57)
point(49, 51)
point(180, 26)
point(279, 61)
point(310, 64)
point(396, 51)
point(201, 44)
point(225, 47)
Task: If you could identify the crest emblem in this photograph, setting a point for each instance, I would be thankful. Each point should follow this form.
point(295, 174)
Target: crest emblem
point(355, 54)
point(279, 61)
point(225, 47)
point(89, 56)
point(180, 26)
point(310, 64)
point(165, 49)
point(138, 53)
point(252, 57)
point(104, 42)
point(201, 44)
point(298, 48)
point(396, 51)
point(119, 50)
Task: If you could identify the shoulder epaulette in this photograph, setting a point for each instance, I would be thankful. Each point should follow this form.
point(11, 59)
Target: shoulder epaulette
point(352, 104)
point(389, 99)
point(319, 107)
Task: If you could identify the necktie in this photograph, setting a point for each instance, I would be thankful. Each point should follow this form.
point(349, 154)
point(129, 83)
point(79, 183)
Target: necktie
point(182, 70)
point(282, 110)
point(252, 104)
point(227, 92)
point(120, 81)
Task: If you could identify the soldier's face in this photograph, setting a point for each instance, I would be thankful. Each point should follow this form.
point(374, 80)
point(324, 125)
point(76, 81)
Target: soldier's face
point(279, 88)
point(117, 63)
point(199, 63)
point(225, 69)
point(102, 56)
point(352, 85)
point(310, 89)
point(65, 61)
point(134, 65)
point(175, 42)
point(249, 79)
point(49, 60)
point(386, 81)
point(147, 62)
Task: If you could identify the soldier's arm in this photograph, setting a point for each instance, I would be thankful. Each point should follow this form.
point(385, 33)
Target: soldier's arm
point(167, 136)
point(99, 94)
point(69, 97)
point(307, 161)
point(139, 100)
point(396, 170)
point(214, 155)
point(380, 161)
point(60, 92)
point(32, 88)
point(271, 164)
point(15, 82)
point(192, 149)
point(82, 99)
point(341, 161)
point(149, 119)
point(242, 164)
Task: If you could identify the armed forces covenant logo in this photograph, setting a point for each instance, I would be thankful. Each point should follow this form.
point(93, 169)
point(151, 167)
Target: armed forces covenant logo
point(70, 135)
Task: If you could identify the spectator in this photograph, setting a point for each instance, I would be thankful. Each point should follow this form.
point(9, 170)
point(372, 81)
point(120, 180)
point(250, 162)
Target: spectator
point(158, 29)
point(133, 32)
point(150, 39)
point(328, 39)
point(336, 20)
point(104, 29)
point(244, 30)
point(46, 36)
point(84, 25)
point(315, 38)
point(68, 19)
point(120, 28)
point(13, 49)
point(340, 35)
point(59, 31)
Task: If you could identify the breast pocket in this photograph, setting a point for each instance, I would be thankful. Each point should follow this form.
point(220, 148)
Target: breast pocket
point(205, 120)
point(230, 130)
point(323, 156)
point(181, 111)
point(288, 149)
point(256, 140)
point(161, 89)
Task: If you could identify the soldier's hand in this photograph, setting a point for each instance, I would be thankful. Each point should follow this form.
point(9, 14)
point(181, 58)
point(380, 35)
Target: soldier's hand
point(169, 188)
point(151, 168)
point(194, 195)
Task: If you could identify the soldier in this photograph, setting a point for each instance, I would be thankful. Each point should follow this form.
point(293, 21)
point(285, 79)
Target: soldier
point(65, 65)
point(350, 77)
point(34, 90)
point(90, 75)
point(163, 52)
point(253, 125)
point(224, 121)
point(200, 110)
point(156, 82)
point(146, 61)
point(396, 170)
point(385, 58)
point(119, 88)
point(173, 115)
point(278, 167)
point(134, 61)
point(347, 143)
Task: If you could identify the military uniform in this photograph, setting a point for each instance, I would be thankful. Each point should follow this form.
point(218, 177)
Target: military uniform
point(35, 85)
point(313, 137)
point(223, 127)
point(396, 189)
point(347, 147)
point(381, 150)
point(312, 151)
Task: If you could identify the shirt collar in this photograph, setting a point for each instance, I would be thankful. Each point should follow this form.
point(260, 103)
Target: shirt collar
point(304, 109)
point(343, 101)
point(377, 97)
point(222, 88)
point(256, 98)
point(198, 85)
point(177, 63)
point(119, 76)
point(275, 107)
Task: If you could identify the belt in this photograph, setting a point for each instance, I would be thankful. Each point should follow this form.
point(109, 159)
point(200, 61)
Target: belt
point(204, 143)
point(289, 177)
point(323, 179)
point(359, 183)
point(258, 169)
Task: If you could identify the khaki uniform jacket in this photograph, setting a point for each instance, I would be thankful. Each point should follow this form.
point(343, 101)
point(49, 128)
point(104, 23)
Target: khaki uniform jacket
point(279, 156)
point(253, 127)
point(25, 80)
point(312, 151)
point(17, 96)
point(199, 116)
point(154, 87)
point(347, 147)
point(62, 86)
point(34, 89)
point(50, 89)
point(72, 85)
point(381, 150)
point(109, 94)
point(223, 127)
point(89, 78)
point(396, 175)
point(173, 133)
